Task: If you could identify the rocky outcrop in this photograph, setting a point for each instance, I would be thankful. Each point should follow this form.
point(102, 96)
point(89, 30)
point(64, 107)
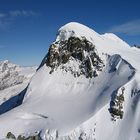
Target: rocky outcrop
point(116, 105)
point(81, 50)
point(136, 46)
point(11, 136)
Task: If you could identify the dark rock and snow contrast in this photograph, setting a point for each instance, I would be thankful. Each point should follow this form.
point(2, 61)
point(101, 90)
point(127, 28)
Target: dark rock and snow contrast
point(87, 87)
point(136, 46)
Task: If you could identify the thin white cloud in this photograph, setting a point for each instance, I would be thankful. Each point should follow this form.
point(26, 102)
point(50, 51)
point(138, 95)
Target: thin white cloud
point(7, 18)
point(24, 13)
point(129, 28)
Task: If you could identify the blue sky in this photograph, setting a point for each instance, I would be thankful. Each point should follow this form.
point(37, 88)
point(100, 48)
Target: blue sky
point(27, 27)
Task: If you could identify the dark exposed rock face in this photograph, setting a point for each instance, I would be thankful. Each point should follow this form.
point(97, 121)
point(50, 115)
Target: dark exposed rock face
point(81, 50)
point(10, 136)
point(20, 137)
point(136, 46)
point(116, 108)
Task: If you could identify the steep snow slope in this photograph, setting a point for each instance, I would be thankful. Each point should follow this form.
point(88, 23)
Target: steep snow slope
point(87, 87)
point(13, 79)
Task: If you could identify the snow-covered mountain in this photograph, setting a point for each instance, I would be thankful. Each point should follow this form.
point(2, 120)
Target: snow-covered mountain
point(13, 79)
point(86, 88)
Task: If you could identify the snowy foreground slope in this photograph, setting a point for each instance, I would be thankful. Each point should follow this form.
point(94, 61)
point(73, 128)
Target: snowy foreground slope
point(86, 88)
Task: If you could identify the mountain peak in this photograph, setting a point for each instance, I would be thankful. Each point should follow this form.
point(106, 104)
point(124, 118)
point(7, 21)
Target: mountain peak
point(74, 44)
point(75, 29)
point(74, 26)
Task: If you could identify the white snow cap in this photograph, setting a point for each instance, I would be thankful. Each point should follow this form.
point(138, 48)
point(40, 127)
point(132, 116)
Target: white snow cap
point(77, 30)
point(77, 27)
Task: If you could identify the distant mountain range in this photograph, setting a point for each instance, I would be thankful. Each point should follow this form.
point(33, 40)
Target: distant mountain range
point(13, 79)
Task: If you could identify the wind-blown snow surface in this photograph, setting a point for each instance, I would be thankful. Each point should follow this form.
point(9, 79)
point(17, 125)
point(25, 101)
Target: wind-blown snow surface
point(61, 106)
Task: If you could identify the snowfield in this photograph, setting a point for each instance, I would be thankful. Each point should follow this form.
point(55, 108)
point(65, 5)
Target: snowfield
point(93, 96)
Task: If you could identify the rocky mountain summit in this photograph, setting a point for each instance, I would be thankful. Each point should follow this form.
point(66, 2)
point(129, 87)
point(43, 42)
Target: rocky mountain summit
point(81, 50)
